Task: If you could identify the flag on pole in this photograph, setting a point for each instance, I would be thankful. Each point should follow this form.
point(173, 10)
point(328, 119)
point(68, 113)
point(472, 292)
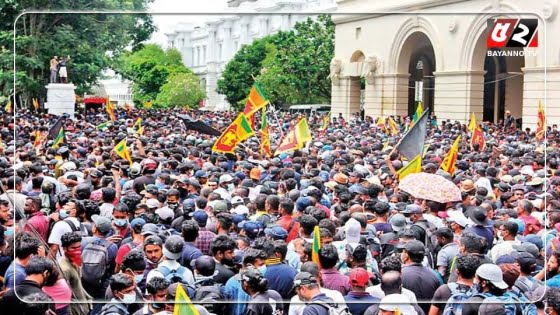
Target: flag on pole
point(316, 246)
point(413, 166)
point(381, 123)
point(140, 131)
point(478, 137)
point(295, 138)
point(425, 150)
point(418, 113)
point(412, 144)
point(393, 126)
point(265, 136)
point(448, 163)
point(59, 138)
point(239, 130)
point(472, 122)
point(35, 104)
point(122, 150)
point(137, 123)
point(103, 125)
point(110, 108)
point(183, 304)
point(540, 122)
point(8, 107)
point(37, 141)
point(256, 100)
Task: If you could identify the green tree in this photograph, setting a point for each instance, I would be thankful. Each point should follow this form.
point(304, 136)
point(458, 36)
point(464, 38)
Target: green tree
point(91, 40)
point(181, 89)
point(150, 68)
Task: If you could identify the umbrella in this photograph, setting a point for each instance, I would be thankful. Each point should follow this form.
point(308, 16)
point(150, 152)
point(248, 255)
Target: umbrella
point(430, 187)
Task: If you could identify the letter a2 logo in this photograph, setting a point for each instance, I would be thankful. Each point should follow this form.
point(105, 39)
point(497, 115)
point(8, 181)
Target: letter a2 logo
point(512, 33)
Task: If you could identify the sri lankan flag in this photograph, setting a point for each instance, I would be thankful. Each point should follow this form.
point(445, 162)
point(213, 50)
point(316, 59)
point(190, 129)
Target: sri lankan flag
point(265, 136)
point(478, 137)
point(448, 163)
point(316, 246)
point(472, 123)
point(103, 125)
point(8, 107)
point(381, 123)
point(326, 121)
point(122, 150)
point(59, 138)
point(37, 141)
point(140, 131)
point(35, 104)
point(295, 138)
point(393, 126)
point(183, 304)
point(256, 100)
point(137, 124)
point(540, 122)
point(239, 130)
point(111, 110)
point(418, 113)
point(413, 166)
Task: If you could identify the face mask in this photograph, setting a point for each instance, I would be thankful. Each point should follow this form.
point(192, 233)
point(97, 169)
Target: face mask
point(262, 269)
point(158, 306)
point(63, 214)
point(138, 278)
point(129, 298)
point(75, 256)
point(9, 231)
point(120, 222)
point(172, 206)
point(230, 187)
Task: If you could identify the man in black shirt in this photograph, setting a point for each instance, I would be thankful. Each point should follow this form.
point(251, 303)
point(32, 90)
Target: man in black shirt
point(149, 167)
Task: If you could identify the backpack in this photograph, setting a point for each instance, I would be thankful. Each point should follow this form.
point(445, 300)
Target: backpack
point(454, 305)
point(210, 297)
point(430, 241)
point(80, 230)
point(173, 276)
point(333, 309)
point(95, 263)
point(511, 303)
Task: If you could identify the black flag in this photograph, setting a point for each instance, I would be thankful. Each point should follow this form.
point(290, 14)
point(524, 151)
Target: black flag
point(55, 129)
point(199, 126)
point(412, 143)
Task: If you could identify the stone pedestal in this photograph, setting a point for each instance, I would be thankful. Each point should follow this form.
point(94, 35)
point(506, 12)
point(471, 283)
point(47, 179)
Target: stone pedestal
point(60, 99)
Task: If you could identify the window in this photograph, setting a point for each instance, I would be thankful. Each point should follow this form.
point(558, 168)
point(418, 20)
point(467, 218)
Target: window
point(358, 32)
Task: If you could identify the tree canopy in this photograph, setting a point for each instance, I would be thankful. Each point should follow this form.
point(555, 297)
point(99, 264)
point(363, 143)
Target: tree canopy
point(92, 41)
point(181, 90)
point(292, 67)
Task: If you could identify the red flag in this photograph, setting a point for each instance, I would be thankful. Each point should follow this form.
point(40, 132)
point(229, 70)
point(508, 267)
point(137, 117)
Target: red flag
point(478, 137)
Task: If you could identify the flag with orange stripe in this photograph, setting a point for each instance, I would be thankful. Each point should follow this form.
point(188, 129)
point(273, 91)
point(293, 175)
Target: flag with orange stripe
point(448, 163)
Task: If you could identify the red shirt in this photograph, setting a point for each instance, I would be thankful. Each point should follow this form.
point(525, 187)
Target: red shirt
point(39, 222)
point(285, 222)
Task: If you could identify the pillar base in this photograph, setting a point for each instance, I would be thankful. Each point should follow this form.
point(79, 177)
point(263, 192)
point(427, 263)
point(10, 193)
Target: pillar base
point(61, 99)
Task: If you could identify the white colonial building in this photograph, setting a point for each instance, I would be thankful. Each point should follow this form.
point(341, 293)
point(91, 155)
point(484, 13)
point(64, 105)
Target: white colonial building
point(113, 86)
point(439, 55)
point(208, 48)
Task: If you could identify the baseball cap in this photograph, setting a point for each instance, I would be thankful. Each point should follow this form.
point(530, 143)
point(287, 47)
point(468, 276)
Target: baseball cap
point(304, 278)
point(255, 173)
point(152, 203)
point(236, 200)
point(492, 273)
point(276, 232)
point(524, 258)
point(165, 213)
point(251, 275)
point(241, 209)
point(173, 247)
point(503, 187)
point(225, 179)
point(137, 224)
point(527, 247)
point(218, 206)
point(201, 174)
point(393, 302)
point(414, 247)
point(200, 216)
point(412, 209)
point(149, 229)
point(459, 219)
point(359, 277)
point(238, 218)
point(102, 224)
point(252, 228)
point(352, 229)
point(398, 222)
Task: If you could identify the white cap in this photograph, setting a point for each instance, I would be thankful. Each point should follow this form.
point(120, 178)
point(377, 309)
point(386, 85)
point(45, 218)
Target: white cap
point(352, 229)
point(241, 209)
point(226, 178)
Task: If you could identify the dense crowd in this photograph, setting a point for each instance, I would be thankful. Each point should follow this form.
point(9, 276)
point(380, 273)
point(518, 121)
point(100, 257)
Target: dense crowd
point(86, 232)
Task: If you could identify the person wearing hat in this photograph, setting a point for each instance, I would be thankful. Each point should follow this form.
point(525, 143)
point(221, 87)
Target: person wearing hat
point(153, 250)
point(169, 267)
point(358, 300)
point(482, 226)
point(129, 243)
point(422, 229)
point(225, 186)
point(308, 290)
point(415, 277)
point(264, 301)
point(457, 224)
point(527, 266)
point(389, 240)
point(490, 284)
point(205, 236)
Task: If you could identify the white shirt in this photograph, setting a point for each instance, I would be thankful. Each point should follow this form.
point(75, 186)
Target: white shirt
point(60, 228)
point(106, 210)
point(376, 291)
point(57, 187)
point(501, 249)
point(297, 306)
point(172, 265)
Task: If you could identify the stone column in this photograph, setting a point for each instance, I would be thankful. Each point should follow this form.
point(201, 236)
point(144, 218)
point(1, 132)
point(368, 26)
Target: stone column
point(458, 94)
point(61, 99)
point(346, 97)
point(373, 99)
point(534, 86)
point(391, 94)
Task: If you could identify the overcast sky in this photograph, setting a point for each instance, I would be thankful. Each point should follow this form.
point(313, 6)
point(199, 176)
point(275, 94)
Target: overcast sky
point(166, 23)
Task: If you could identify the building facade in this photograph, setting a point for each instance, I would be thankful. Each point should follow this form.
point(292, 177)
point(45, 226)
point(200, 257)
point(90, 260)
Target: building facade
point(439, 55)
point(208, 48)
point(113, 86)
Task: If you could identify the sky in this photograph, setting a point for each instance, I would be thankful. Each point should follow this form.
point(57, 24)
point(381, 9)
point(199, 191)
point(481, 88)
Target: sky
point(166, 23)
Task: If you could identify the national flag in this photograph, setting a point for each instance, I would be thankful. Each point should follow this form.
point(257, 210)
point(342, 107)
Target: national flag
point(326, 121)
point(103, 125)
point(239, 130)
point(472, 122)
point(8, 107)
point(128, 108)
point(110, 108)
point(122, 150)
point(540, 122)
point(316, 246)
point(137, 123)
point(265, 136)
point(478, 137)
point(393, 126)
point(256, 100)
point(37, 141)
point(140, 131)
point(295, 138)
point(425, 150)
point(55, 129)
point(35, 104)
point(448, 164)
point(413, 166)
point(183, 304)
point(418, 113)
point(381, 123)
point(148, 104)
point(412, 143)
point(59, 138)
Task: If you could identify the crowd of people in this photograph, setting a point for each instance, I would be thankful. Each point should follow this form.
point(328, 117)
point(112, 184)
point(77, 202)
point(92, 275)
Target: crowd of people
point(83, 231)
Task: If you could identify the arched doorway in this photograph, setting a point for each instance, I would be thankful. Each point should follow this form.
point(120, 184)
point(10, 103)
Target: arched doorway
point(417, 58)
point(494, 88)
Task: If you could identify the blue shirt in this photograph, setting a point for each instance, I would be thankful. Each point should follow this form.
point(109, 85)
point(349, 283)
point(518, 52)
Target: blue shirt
point(189, 254)
point(280, 278)
point(358, 302)
point(483, 232)
point(15, 274)
point(553, 282)
point(234, 292)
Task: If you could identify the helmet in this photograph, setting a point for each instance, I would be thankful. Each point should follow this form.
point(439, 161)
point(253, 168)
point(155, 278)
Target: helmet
point(135, 169)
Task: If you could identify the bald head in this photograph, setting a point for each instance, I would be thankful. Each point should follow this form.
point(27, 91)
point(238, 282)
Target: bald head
point(356, 208)
point(391, 282)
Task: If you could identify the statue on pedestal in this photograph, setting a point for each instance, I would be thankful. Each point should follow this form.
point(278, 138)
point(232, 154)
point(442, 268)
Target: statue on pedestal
point(54, 69)
point(62, 72)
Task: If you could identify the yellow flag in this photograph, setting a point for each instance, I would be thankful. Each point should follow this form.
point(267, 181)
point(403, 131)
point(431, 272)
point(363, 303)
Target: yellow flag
point(122, 150)
point(148, 104)
point(8, 107)
point(36, 104)
point(183, 304)
point(137, 123)
point(541, 123)
point(413, 166)
point(141, 131)
point(472, 123)
point(448, 163)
